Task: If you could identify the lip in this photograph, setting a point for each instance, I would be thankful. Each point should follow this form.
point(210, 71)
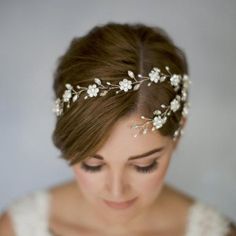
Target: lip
point(120, 205)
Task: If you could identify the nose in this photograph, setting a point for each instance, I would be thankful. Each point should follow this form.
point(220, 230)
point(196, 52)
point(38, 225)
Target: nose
point(117, 186)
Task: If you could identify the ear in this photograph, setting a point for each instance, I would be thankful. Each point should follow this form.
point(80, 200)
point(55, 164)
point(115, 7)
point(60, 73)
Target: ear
point(182, 124)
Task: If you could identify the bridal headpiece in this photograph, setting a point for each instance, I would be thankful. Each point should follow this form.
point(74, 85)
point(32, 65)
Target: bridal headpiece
point(132, 84)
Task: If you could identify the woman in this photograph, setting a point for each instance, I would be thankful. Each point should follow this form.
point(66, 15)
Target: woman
point(121, 100)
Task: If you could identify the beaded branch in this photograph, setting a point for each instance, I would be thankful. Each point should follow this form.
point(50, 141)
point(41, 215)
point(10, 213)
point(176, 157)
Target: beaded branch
point(132, 84)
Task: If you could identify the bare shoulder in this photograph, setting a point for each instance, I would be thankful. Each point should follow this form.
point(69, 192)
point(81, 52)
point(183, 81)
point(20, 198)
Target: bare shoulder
point(176, 205)
point(177, 197)
point(182, 201)
point(64, 207)
point(66, 192)
point(60, 193)
point(6, 227)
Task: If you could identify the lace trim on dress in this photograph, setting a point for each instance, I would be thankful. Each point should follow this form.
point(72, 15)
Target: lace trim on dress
point(204, 220)
point(30, 217)
point(30, 214)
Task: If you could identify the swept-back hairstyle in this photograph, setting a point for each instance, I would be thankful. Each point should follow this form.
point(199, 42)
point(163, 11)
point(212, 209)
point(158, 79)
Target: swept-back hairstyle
point(108, 51)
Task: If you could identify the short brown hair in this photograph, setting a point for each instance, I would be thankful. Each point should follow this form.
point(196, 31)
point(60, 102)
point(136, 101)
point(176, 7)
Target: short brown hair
point(108, 51)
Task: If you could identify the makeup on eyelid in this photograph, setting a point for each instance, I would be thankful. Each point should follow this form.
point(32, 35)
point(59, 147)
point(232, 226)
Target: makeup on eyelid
point(148, 161)
point(142, 169)
point(149, 165)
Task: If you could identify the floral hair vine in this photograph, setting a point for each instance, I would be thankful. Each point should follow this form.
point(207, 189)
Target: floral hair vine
point(155, 76)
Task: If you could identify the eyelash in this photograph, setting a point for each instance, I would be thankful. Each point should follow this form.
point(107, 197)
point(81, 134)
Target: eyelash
point(146, 169)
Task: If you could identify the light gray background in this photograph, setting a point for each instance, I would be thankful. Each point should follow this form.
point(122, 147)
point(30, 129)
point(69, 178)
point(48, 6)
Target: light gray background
point(34, 33)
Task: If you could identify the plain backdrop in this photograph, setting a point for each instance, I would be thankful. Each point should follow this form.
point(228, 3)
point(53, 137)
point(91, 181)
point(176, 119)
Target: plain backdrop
point(33, 34)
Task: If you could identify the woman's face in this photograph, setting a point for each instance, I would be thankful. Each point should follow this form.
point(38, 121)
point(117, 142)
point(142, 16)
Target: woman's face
point(120, 170)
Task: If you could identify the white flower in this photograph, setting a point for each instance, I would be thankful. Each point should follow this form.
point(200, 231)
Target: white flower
point(174, 105)
point(176, 133)
point(185, 111)
point(69, 86)
point(158, 122)
point(67, 95)
point(184, 95)
point(125, 85)
point(57, 108)
point(175, 80)
point(154, 75)
point(186, 82)
point(92, 90)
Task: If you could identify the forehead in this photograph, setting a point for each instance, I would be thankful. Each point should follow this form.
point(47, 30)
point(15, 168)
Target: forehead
point(122, 143)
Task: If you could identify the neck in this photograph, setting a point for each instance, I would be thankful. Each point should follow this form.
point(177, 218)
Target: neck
point(119, 221)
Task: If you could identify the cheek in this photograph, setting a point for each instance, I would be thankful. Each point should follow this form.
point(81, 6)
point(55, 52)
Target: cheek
point(154, 181)
point(86, 181)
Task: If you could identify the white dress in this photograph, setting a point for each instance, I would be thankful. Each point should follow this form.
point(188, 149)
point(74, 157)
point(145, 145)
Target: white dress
point(30, 214)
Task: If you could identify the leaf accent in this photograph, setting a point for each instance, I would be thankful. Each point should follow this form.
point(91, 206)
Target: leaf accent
point(98, 81)
point(68, 86)
point(157, 112)
point(75, 98)
point(131, 74)
point(163, 78)
point(136, 87)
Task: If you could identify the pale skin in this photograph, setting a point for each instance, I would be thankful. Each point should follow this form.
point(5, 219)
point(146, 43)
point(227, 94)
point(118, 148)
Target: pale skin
point(77, 207)
point(119, 181)
point(159, 208)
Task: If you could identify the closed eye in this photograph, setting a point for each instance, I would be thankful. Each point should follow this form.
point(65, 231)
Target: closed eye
point(142, 169)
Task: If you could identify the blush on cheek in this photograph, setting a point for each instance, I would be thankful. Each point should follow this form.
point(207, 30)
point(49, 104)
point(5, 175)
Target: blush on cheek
point(162, 170)
point(76, 171)
point(80, 176)
point(85, 181)
point(161, 175)
point(156, 181)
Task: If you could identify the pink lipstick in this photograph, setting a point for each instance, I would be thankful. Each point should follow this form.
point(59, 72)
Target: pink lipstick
point(120, 205)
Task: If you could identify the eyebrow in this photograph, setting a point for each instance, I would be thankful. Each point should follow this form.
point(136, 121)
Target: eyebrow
point(97, 156)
